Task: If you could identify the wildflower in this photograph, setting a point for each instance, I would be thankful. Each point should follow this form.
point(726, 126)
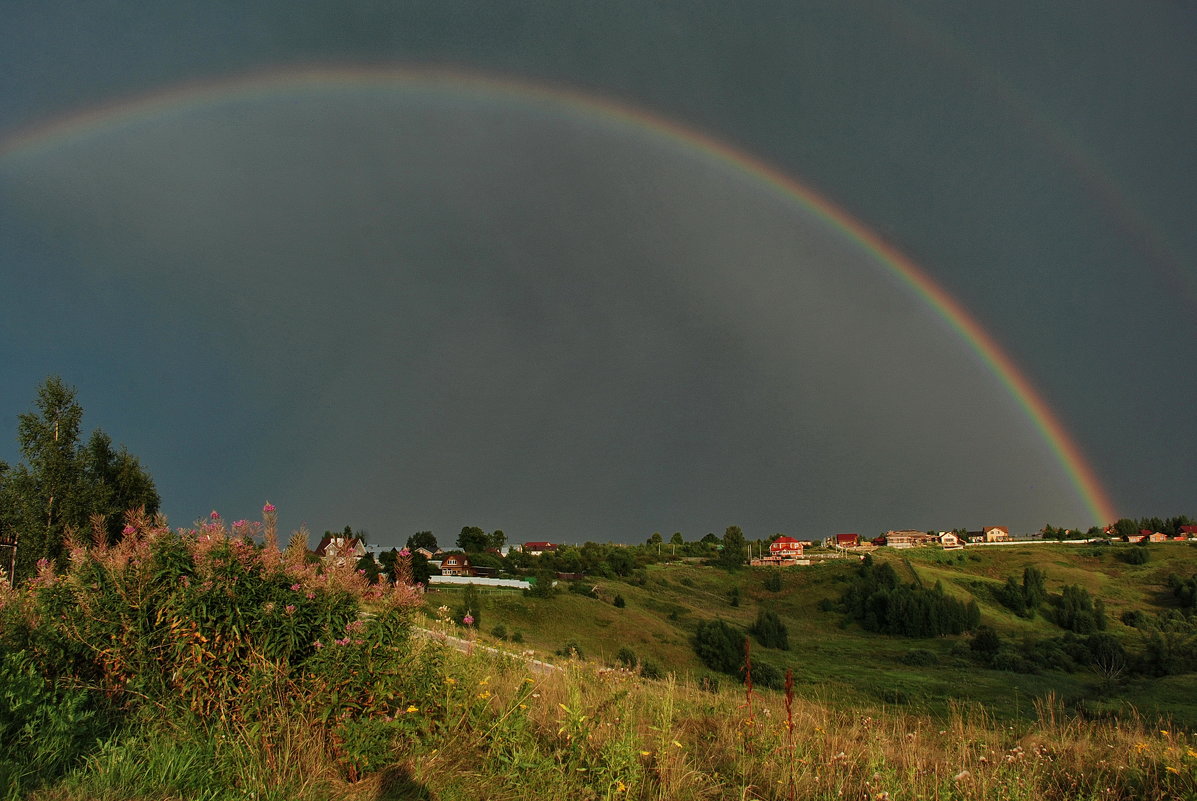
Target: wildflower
point(240, 523)
point(1164, 732)
point(127, 530)
point(468, 620)
point(620, 787)
point(485, 694)
point(412, 708)
point(317, 645)
point(215, 515)
point(295, 588)
point(268, 508)
point(646, 753)
point(310, 595)
point(450, 680)
point(289, 609)
point(404, 552)
point(961, 776)
point(1171, 769)
point(342, 641)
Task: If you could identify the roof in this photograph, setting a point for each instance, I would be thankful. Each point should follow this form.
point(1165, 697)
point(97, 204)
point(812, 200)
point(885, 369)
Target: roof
point(539, 546)
point(340, 545)
point(783, 540)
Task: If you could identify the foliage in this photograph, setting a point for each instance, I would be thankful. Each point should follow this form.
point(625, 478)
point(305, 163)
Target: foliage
point(1076, 610)
point(208, 623)
point(472, 539)
point(770, 631)
point(720, 646)
point(772, 581)
point(469, 609)
point(1136, 556)
point(422, 539)
point(735, 549)
point(61, 486)
point(880, 602)
point(619, 602)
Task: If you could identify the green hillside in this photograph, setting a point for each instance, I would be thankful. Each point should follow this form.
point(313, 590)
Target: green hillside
point(837, 661)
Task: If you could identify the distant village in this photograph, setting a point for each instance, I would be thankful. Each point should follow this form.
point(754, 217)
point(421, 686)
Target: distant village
point(456, 566)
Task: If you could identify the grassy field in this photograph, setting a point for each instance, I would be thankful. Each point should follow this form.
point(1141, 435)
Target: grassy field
point(844, 665)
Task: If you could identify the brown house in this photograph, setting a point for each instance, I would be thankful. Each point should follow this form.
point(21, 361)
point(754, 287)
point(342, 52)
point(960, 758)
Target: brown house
point(340, 550)
point(456, 564)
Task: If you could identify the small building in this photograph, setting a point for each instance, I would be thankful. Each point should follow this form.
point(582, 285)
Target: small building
point(340, 550)
point(1189, 532)
point(1153, 536)
point(538, 548)
point(846, 541)
point(951, 541)
point(908, 538)
point(785, 548)
point(456, 564)
point(995, 534)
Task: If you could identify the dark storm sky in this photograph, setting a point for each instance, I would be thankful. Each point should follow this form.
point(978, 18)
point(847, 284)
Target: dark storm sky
point(405, 310)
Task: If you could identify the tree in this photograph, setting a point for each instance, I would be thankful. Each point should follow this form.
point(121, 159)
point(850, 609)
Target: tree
point(655, 539)
point(497, 539)
point(734, 548)
point(770, 631)
point(422, 539)
point(472, 539)
point(720, 646)
point(59, 485)
point(676, 539)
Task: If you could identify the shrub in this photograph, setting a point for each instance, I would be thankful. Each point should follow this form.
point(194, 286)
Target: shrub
point(1135, 556)
point(517, 637)
point(619, 602)
point(720, 646)
point(919, 657)
point(571, 650)
point(773, 581)
point(499, 631)
point(733, 596)
point(770, 631)
point(765, 675)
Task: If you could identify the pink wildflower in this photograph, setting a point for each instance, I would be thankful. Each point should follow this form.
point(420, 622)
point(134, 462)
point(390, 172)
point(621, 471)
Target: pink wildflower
point(268, 508)
point(468, 620)
point(342, 641)
point(215, 515)
point(404, 553)
point(310, 595)
point(127, 530)
point(295, 588)
point(361, 572)
point(317, 645)
point(289, 608)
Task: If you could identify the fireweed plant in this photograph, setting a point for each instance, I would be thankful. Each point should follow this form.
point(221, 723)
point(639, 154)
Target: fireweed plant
point(215, 627)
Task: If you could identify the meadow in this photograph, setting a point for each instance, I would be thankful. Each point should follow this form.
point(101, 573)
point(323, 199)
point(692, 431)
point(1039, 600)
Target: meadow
point(217, 663)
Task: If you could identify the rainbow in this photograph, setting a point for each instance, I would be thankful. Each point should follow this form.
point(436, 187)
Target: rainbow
point(187, 96)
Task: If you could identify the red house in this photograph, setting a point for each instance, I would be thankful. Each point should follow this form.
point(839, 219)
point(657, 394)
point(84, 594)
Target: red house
point(786, 548)
point(846, 540)
point(537, 548)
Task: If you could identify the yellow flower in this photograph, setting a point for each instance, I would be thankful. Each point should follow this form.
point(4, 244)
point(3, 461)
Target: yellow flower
point(646, 753)
point(675, 742)
point(412, 708)
point(620, 787)
point(1191, 753)
point(484, 694)
point(1171, 769)
point(1164, 732)
point(523, 706)
point(450, 680)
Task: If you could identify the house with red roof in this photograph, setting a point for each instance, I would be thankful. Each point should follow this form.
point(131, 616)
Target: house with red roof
point(538, 548)
point(785, 548)
point(456, 564)
point(845, 541)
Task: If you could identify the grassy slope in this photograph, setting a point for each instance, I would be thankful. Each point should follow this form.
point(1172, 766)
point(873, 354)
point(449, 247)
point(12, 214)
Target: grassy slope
point(844, 665)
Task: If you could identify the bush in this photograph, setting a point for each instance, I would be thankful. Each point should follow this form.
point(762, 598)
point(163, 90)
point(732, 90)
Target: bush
point(919, 657)
point(619, 602)
point(733, 596)
point(517, 637)
point(1135, 556)
point(571, 650)
point(720, 646)
point(773, 581)
point(770, 631)
point(765, 675)
point(499, 632)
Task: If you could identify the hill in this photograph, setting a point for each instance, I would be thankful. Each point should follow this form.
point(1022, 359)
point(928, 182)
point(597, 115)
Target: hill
point(835, 660)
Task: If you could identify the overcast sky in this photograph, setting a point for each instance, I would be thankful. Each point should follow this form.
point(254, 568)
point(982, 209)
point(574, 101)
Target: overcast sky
point(424, 305)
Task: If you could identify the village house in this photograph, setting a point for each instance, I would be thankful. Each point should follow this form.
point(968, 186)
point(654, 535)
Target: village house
point(951, 541)
point(456, 564)
point(995, 534)
point(908, 539)
point(538, 548)
point(844, 541)
point(340, 550)
point(1152, 536)
point(1188, 532)
point(783, 552)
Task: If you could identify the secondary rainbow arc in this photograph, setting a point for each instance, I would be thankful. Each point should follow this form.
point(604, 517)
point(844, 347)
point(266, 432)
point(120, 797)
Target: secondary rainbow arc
point(186, 96)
